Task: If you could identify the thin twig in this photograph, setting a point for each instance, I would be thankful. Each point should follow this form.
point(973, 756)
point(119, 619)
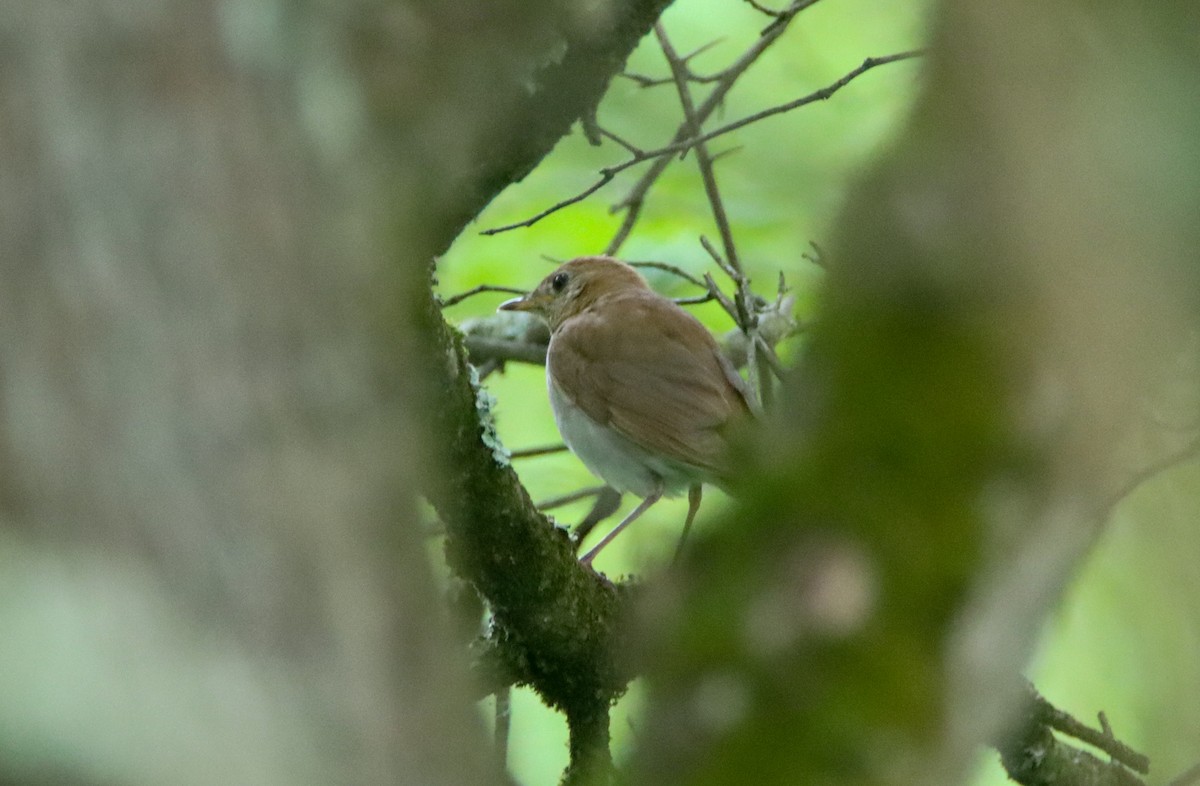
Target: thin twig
point(721, 297)
point(672, 269)
point(567, 499)
point(707, 245)
point(646, 81)
point(629, 146)
point(816, 256)
point(1063, 722)
point(695, 301)
point(742, 314)
point(606, 176)
point(460, 297)
point(754, 375)
point(703, 160)
point(702, 49)
point(607, 502)
point(768, 354)
point(544, 450)
point(764, 9)
point(633, 210)
point(591, 127)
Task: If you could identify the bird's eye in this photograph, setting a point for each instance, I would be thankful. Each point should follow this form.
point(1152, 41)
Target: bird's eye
point(558, 282)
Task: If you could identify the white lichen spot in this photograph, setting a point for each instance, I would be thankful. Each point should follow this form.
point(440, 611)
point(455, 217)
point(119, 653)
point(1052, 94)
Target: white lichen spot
point(484, 403)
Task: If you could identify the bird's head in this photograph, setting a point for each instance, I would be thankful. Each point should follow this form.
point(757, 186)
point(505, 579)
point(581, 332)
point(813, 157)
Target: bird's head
point(574, 286)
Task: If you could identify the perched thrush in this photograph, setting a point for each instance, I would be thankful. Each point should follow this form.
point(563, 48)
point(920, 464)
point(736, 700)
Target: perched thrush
point(640, 391)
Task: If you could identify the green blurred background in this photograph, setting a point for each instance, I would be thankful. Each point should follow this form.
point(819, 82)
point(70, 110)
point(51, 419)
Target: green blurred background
point(1122, 642)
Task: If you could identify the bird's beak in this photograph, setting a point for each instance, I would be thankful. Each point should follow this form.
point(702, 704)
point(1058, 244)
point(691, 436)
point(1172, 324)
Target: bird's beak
point(530, 302)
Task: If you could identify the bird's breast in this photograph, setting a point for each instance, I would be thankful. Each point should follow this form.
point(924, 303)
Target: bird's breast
point(617, 460)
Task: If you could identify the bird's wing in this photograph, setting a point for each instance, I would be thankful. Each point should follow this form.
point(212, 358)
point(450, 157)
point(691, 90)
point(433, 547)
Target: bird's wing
point(644, 366)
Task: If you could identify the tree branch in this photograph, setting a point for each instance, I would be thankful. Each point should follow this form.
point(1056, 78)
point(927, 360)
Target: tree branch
point(1033, 756)
point(554, 620)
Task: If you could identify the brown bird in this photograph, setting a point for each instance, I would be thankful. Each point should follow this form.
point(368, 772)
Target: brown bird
point(640, 391)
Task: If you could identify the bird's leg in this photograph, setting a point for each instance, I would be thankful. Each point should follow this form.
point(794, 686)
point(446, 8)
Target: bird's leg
point(655, 496)
point(694, 494)
point(606, 504)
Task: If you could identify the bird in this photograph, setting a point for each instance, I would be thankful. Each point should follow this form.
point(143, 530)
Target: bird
point(640, 390)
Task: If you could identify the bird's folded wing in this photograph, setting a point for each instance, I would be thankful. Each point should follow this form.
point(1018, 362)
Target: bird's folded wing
point(652, 372)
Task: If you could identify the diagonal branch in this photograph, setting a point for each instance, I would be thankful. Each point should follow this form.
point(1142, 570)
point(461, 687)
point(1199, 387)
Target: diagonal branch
point(554, 620)
point(1032, 755)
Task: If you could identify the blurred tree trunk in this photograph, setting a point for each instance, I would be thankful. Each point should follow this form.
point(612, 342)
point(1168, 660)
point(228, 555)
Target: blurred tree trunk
point(214, 217)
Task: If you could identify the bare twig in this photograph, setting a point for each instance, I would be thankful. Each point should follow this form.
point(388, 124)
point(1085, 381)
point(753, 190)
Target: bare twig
point(656, 81)
point(567, 499)
point(460, 297)
point(695, 301)
point(1032, 754)
point(769, 356)
point(763, 9)
point(703, 159)
point(701, 49)
point(606, 504)
point(1063, 722)
point(591, 127)
point(633, 211)
point(544, 450)
point(721, 297)
point(673, 270)
point(646, 81)
point(606, 176)
point(816, 256)
point(707, 245)
point(742, 314)
point(629, 146)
